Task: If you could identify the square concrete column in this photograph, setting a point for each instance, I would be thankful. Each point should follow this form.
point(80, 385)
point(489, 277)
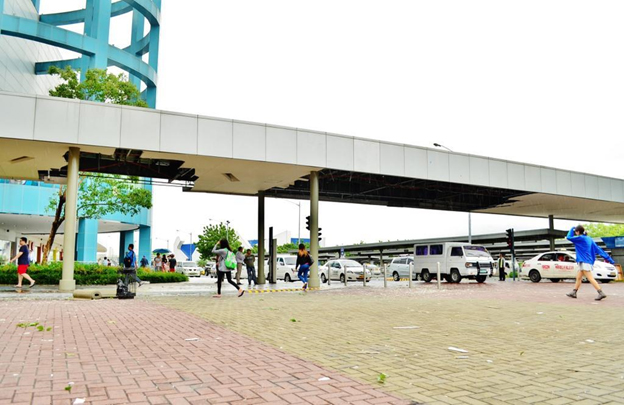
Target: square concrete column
point(67, 282)
point(314, 242)
point(86, 245)
point(261, 276)
point(125, 238)
point(145, 243)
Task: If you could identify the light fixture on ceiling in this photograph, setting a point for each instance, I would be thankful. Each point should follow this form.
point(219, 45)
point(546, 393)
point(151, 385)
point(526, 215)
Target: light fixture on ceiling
point(231, 177)
point(21, 159)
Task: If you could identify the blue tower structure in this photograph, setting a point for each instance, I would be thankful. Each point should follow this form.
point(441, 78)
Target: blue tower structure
point(93, 44)
point(29, 43)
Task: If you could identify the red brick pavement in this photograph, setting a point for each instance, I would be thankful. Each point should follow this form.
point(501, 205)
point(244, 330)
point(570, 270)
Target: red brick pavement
point(119, 352)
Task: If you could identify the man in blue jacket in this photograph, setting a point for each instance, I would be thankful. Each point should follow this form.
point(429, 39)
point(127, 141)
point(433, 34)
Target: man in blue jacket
point(586, 251)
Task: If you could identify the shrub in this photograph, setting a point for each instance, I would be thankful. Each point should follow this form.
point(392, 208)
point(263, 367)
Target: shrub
point(84, 274)
point(161, 277)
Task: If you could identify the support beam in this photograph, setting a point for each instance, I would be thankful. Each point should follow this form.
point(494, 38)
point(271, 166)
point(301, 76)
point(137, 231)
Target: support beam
point(86, 249)
point(125, 238)
point(145, 243)
point(314, 242)
point(551, 227)
point(67, 282)
point(261, 277)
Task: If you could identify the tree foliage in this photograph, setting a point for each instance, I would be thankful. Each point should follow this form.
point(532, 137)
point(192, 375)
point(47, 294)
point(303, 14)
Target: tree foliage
point(99, 85)
point(600, 230)
point(99, 195)
point(288, 247)
point(213, 234)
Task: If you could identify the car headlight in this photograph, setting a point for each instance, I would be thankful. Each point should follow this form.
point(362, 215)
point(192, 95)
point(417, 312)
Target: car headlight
point(468, 265)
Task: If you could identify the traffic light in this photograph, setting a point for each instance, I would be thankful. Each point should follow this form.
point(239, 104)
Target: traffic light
point(510, 239)
point(308, 222)
point(319, 234)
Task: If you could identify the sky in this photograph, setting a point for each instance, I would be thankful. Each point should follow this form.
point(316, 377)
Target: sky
point(532, 81)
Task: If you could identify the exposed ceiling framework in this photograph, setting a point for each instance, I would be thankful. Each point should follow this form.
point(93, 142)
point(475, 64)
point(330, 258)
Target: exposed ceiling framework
point(352, 187)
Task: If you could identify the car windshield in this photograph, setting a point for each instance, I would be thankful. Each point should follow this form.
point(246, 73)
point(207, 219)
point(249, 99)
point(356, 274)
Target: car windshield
point(290, 261)
point(189, 264)
point(476, 251)
point(350, 263)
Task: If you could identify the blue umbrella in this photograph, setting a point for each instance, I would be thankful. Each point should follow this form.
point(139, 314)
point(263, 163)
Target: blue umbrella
point(161, 251)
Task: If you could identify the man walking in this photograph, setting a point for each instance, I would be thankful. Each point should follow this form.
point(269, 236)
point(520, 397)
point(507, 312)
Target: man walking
point(130, 262)
point(21, 258)
point(240, 261)
point(586, 251)
point(501, 267)
point(172, 263)
point(144, 261)
point(251, 267)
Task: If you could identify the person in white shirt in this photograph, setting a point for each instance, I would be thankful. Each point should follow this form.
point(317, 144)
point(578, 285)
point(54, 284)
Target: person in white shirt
point(240, 261)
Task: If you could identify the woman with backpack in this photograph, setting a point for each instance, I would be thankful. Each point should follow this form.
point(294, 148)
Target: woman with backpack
point(304, 261)
point(226, 262)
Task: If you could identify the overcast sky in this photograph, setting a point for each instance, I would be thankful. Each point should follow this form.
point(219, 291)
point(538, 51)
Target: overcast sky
point(532, 81)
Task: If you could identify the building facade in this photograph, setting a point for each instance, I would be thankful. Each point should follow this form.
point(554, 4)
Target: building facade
point(30, 43)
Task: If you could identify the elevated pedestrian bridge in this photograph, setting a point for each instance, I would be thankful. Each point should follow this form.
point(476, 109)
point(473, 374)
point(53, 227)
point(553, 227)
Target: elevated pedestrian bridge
point(235, 157)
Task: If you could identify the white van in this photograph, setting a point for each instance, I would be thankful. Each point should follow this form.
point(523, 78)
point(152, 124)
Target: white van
point(457, 261)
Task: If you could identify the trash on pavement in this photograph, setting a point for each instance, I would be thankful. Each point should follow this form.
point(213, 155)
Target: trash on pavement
point(456, 349)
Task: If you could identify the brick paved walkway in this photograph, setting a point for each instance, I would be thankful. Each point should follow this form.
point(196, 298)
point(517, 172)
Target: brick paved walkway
point(119, 352)
point(526, 343)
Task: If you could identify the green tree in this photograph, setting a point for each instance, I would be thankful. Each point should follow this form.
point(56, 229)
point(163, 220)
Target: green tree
point(98, 195)
point(99, 85)
point(288, 247)
point(599, 230)
point(213, 234)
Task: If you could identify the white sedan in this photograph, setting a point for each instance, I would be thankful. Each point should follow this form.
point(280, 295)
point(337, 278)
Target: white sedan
point(560, 265)
point(190, 269)
point(337, 268)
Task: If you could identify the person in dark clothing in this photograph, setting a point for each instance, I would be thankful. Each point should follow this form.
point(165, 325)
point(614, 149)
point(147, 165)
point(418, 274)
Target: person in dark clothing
point(304, 261)
point(22, 264)
point(501, 267)
point(172, 263)
point(251, 267)
point(222, 250)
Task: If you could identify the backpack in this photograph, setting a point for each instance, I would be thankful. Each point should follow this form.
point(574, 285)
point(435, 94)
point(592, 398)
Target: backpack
point(128, 260)
point(230, 261)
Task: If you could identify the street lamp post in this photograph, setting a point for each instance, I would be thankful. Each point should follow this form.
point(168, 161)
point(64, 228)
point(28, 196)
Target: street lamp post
point(298, 203)
point(437, 145)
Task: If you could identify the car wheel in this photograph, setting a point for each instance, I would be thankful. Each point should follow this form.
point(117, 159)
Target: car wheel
point(535, 276)
point(425, 276)
point(342, 278)
point(555, 280)
point(395, 276)
point(481, 279)
point(447, 277)
point(455, 276)
point(323, 278)
point(287, 278)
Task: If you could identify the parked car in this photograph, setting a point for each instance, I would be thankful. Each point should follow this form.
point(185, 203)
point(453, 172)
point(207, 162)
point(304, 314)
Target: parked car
point(210, 269)
point(190, 269)
point(560, 265)
point(373, 268)
point(399, 268)
point(335, 270)
point(457, 261)
point(286, 268)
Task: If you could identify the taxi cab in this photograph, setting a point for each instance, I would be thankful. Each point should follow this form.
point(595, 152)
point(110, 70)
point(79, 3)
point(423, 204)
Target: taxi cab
point(559, 265)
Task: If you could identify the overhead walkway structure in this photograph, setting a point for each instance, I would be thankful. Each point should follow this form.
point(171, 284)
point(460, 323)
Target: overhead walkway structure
point(228, 156)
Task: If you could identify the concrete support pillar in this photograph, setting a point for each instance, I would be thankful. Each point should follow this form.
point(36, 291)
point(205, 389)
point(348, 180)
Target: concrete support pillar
point(551, 227)
point(314, 242)
point(86, 245)
point(145, 243)
point(67, 282)
point(261, 276)
point(1, 11)
point(125, 238)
